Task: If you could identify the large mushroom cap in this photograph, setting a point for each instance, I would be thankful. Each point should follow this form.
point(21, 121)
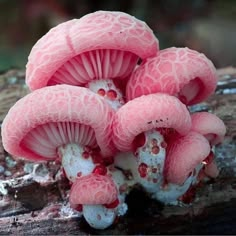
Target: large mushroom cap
point(182, 72)
point(146, 113)
point(117, 31)
point(93, 189)
point(184, 154)
point(209, 125)
point(53, 116)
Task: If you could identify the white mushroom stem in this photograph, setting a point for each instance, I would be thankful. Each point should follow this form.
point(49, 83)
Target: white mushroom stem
point(150, 161)
point(109, 91)
point(76, 160)
point(147, 162)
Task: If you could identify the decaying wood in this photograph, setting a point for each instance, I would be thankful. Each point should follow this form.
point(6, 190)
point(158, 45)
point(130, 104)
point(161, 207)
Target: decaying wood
point(34, 197)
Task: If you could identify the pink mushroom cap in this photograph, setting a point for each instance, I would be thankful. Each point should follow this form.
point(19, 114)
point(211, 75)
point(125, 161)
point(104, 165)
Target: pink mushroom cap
point(53, 116)
point(93, 189)
point(96, 31)
point(183, 155)
point(146, 113)
point(181, 72)
point(209, 125)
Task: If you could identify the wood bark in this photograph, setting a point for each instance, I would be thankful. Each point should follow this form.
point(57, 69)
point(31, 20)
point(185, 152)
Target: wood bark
point(32, 195)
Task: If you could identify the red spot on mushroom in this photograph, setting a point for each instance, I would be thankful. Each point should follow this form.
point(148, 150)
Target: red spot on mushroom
point(85, 155)
point(79, 207)
point(163, 144)
point(101, 92)
point(79, 174)
point(112, 94)
point(139, 141)
point(154, 142)
point(208, 159)
point(113, 204)
point(100, 170)
point(142, 169)
point(155, 150)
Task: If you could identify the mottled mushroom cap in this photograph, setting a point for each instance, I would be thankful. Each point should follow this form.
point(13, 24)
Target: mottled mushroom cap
point(93, 189)
point(181, 72)
point(54, 113)
point(149, 112)
point(98, 30)
point(209, 125)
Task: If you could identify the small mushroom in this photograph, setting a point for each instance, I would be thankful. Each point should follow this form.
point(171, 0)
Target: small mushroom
point(184, 155)
point(93, 189)
point(101, 45)
point(182, 72)
point(60, 121)
point(214, 130)
point(144, 126)
point(209, 125)
point(100, 196)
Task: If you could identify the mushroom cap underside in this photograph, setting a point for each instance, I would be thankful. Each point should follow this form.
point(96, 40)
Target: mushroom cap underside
point(57, 104)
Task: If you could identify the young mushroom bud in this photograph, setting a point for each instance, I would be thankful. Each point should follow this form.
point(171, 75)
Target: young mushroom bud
point(145, 126)
point(62, 121)
point(182, 72)
point(101, 197)
point(103, 45)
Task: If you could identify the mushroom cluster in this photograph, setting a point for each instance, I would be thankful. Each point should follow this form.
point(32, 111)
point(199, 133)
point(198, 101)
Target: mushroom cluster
point(113, 109)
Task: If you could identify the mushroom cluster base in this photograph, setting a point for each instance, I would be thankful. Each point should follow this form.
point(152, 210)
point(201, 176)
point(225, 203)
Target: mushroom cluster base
point(33, 197)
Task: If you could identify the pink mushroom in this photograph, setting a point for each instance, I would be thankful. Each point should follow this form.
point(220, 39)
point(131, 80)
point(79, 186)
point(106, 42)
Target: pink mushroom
point(209, 125)
point(100, 196)
point(93, 189)
point(184, 155)
point(182, 72)
point(60, 121)
point(214, 130)
point(144, 126)
point(101, 45)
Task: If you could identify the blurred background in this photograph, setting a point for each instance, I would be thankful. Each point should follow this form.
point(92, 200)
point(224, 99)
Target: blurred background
point(208, 26)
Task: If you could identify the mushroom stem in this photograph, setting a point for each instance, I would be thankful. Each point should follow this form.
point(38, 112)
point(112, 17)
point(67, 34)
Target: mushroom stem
point(76, 160)
point(150, 159)
point(109, 91)
point(147, 161)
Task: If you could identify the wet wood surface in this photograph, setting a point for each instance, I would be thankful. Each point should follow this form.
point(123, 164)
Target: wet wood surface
point(33, 197)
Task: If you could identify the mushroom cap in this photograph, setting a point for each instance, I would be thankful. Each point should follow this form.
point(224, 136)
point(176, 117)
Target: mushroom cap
point(183, 155)
point(174, 71)
point(98, 30)
point(93, 189)
point(60, 103)
point(209, 125)
point(146, 113)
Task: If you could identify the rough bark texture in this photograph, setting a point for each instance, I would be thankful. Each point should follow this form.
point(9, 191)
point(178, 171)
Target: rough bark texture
point(33, 197)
